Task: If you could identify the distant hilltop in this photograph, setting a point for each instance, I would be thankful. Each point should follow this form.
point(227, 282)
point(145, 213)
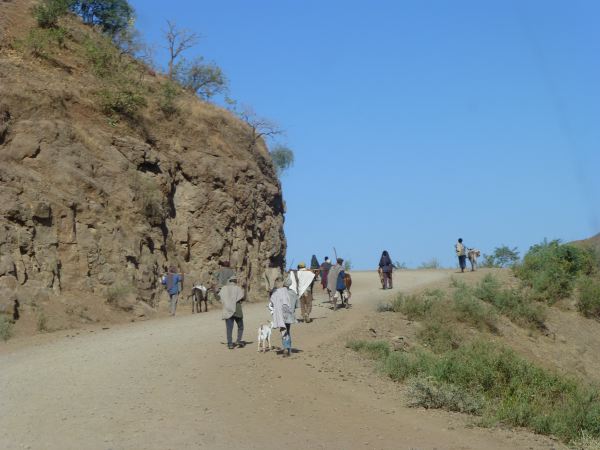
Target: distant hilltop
point(593, 242)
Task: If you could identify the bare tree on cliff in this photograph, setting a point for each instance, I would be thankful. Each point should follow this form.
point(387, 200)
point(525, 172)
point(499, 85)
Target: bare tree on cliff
point(260, 127)
point(178, 41)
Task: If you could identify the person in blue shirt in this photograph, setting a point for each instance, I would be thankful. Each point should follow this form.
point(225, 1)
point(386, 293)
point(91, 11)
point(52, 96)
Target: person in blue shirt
point(174, 284)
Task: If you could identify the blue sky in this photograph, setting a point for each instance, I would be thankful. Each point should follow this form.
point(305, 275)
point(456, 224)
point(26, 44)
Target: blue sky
point(415, 123)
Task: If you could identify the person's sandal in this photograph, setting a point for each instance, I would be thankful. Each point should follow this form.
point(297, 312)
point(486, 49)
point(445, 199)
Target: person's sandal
point(241, 344)
point(230, 347)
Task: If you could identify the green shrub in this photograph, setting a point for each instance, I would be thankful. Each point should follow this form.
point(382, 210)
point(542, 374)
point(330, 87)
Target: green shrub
point(116, 293)
point(472, 311)
point(48, 12)
point(585, 442)
point(168, 95)
point(551, 268)
point(513, 303)
point(456, 283)
point(104, 58)
point(283, 159)
point(41, 42)
point(414, 307)
point(400, 366)
point(439, 335)
point(511, 390)
point(429, 393)
point(521, 394)
point(6, 328)
point(588, 300)
point(123, 100)
point(372, 349)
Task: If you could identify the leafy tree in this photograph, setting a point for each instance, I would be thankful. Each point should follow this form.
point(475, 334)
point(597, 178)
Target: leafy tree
point(398, 265)
point(111, 15)
point(201, 78)
point(503, 256)
point(283, 158)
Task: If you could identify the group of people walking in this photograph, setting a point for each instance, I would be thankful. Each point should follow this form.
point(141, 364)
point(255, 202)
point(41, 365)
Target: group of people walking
point(286, 293)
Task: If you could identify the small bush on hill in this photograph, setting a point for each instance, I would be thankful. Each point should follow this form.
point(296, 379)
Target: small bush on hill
point(47, 12)
point(374, 349)
point(470, 310)
point(513, 303)
point(123, 93)
point(551, 268)
point(104, 58)
point(427, 392)
point(124, 100)
point(414, 307)
point(168, 95)
point(41, 42)
point(434, 306)
point(439, 335)
point(588, 300)
point(6, 328)
point(116, 293)
point(283, 158)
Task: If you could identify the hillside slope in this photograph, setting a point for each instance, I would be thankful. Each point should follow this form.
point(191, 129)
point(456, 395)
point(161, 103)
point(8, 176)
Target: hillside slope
point(593, 243)
point(94, 201)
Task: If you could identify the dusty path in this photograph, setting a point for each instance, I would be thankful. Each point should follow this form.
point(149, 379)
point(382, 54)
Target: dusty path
point(172, 384)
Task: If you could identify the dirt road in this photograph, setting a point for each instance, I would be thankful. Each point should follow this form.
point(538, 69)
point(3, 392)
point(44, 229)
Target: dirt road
point(173, 384)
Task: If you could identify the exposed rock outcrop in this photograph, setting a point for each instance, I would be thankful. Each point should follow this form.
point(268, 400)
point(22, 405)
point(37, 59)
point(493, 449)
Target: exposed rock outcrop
point(88, 204)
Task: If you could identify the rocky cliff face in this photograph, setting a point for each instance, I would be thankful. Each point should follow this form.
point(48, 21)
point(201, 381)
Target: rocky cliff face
point(90, 205)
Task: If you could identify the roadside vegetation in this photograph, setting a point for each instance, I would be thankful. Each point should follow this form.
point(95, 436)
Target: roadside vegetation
point(493, 382)
point(455, 368)
point(552, 271)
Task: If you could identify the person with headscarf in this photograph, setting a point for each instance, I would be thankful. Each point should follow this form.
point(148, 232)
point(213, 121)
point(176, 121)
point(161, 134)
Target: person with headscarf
point(231, 296)
point(283, 304)
point(315, 266)
point(325, 267)
point(173, 281)
point(386, 267)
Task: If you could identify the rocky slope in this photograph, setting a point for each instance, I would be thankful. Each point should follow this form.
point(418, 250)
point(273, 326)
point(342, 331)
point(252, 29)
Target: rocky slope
point(97, 206)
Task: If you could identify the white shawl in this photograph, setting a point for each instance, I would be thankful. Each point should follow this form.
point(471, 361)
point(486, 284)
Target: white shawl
point(282, 306)
point(305, 278)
